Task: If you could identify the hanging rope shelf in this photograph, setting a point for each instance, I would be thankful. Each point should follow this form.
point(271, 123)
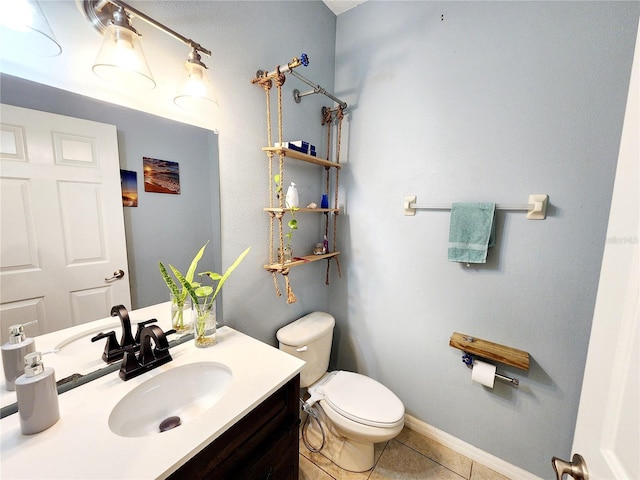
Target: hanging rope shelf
point(276, 158)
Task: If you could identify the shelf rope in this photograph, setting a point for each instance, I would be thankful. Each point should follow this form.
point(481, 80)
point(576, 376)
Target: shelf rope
point(339, 116)
point(266, 85)
point(291, 298)
point(327, 119)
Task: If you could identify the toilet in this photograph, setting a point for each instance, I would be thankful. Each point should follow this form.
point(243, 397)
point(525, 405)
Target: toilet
point(353, 411)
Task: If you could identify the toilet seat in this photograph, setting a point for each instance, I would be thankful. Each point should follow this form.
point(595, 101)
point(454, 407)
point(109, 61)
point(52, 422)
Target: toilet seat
point(360, 399)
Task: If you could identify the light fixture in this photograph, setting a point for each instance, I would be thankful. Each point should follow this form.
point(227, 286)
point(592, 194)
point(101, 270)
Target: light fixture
point(121, 60)
point(25, 29)
point(196, 92)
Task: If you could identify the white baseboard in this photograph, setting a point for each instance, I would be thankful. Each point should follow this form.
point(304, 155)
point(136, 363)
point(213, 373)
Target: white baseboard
point(490, 461)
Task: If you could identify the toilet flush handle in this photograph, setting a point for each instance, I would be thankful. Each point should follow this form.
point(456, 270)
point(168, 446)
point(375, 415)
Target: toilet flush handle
point(302, 349)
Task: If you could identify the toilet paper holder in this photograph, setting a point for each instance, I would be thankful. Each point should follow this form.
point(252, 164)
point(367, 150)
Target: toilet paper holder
point(468, 361)
point(492, 351)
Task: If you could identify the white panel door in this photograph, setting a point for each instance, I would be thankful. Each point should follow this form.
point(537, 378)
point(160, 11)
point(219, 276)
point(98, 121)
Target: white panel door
point(607, 433)
point(61, 221)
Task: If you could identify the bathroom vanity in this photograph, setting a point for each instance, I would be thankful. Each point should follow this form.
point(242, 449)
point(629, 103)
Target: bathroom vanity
point(263, 445)
point(250, 431)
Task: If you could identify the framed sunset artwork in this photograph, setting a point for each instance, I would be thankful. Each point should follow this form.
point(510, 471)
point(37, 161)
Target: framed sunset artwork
point(129, 184)
point(161, 176)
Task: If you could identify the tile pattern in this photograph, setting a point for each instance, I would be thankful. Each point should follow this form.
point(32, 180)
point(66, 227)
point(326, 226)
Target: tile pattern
point(409, 456)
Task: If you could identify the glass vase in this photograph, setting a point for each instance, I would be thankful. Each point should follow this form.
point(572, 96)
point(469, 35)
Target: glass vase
point(204, 323)
point(181, 313)
point(287, 256)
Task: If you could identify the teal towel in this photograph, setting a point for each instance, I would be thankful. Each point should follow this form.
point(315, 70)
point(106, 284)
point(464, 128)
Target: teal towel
point(471, 232)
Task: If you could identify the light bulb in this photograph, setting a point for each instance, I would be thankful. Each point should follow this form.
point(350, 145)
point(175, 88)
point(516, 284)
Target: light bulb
point(16, 15)
point(196, 92)
point(121, 60)
point(124, 54)
point(25, 30)
point(195, 84)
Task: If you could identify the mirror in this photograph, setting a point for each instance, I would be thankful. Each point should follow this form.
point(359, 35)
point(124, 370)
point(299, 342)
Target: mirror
point(163, 227)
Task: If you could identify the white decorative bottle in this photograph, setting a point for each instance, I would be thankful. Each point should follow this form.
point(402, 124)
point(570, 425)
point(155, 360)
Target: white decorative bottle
point(37, 396)
point(13, 353)
point(291, 199)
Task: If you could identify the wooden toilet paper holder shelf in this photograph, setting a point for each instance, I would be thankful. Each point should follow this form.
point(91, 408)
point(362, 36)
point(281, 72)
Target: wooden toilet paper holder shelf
point(493, 351)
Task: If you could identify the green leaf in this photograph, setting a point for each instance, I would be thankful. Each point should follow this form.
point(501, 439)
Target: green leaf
point(230, 270)
point(204, 291)
point(185, 283)
point(173, 288)
point(194, 263)
point(276, 178)
point(213, 275)
point(293, 224)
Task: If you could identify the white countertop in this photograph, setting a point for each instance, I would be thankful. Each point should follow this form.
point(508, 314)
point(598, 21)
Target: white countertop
point(77, 354)
point(81, 445)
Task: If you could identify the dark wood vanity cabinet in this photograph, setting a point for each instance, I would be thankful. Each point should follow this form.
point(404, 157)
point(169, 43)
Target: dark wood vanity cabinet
point(261, 446)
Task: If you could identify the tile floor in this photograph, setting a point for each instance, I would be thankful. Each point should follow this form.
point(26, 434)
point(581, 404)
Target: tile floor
point(409, 456)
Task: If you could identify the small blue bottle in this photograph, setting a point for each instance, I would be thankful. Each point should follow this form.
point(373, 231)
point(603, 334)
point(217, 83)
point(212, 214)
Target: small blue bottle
point(324, 203)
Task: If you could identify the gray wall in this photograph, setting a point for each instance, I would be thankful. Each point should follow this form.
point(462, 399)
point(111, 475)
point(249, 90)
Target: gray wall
point(170, 228)
point(479, 101)
point(261, 35)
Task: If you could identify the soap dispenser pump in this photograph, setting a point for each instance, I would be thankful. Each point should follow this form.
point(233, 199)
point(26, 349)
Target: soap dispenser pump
point(13, 353)
point(37, 396)
point(291, 199)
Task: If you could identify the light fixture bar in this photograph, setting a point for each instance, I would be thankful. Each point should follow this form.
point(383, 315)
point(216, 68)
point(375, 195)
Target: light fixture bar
point(93, 10)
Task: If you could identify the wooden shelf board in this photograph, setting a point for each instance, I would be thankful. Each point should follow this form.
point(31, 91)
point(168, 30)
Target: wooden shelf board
point(301, 156)
point(313, 210)
point(493, 351)
point(297, 261)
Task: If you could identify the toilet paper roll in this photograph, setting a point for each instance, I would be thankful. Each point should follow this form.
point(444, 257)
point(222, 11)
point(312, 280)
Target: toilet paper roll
point(483, 373)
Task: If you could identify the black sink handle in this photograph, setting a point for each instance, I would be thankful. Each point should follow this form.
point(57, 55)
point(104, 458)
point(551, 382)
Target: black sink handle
point(141, 325)
point(112, 350)
point(108, 335)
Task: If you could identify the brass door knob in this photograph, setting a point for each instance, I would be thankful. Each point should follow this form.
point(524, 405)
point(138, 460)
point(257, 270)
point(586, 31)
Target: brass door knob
point(576, 468)
point(116, 275)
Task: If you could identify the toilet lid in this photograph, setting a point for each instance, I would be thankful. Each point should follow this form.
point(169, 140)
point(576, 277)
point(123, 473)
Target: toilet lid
point(363, 400)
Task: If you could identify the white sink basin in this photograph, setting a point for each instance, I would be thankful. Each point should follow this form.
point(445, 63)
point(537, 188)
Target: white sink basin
point(76, 344)
point(184, 392)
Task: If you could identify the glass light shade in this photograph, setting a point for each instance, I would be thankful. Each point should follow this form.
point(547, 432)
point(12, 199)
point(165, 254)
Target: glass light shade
point(121, 60)
point(25, 29)
point(196, 92)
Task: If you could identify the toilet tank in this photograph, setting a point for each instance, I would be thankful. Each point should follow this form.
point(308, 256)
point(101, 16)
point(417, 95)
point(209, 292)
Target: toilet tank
point(309, 338)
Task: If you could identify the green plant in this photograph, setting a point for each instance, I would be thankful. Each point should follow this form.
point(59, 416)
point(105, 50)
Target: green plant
point(203, 296)
point(293, 223)
point(179, 293)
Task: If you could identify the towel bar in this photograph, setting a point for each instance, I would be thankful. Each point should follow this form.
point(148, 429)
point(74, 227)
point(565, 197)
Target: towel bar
point(536, 208)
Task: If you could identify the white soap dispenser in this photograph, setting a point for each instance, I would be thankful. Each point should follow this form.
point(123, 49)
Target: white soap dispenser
point(13, 353)
point(291, 199)
point(37, 396)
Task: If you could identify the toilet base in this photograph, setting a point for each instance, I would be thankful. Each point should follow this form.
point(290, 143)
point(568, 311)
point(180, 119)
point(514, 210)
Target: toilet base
point(348, 454)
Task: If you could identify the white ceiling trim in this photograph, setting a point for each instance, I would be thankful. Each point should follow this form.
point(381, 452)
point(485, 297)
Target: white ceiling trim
point(341, 6)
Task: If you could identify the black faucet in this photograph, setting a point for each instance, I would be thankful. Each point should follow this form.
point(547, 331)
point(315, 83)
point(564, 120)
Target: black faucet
point(113, 350)
point(126, 338)
point(150, 356)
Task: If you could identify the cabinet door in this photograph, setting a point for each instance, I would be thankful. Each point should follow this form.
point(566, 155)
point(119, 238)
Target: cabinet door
point(263, 445)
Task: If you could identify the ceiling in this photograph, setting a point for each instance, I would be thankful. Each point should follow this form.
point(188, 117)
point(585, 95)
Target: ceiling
point(340, 6)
